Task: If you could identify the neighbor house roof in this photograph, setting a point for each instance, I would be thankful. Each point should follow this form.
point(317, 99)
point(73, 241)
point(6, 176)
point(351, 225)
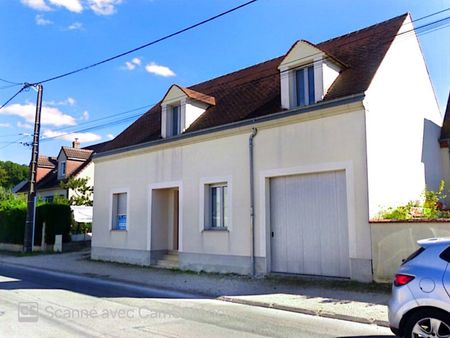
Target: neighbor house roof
point(255, 91)
point(77, 153)
point(445, 130)
point(82, 155)
point(45, 161)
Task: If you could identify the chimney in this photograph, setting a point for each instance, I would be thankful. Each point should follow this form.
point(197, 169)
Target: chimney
point(76, 144)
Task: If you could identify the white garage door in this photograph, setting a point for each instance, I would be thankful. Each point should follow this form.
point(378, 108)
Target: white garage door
point(309, 230)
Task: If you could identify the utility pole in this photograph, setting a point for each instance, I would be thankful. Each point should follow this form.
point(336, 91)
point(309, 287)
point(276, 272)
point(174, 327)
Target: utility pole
point(31, 205)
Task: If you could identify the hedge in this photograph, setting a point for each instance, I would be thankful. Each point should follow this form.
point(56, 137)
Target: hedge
point(57, 218)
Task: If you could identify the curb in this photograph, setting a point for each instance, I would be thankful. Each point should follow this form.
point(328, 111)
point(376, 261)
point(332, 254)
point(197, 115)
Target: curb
point(310, 312)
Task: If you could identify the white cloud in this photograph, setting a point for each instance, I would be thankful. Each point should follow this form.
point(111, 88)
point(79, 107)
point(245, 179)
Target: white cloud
point(24, 125)
point(159, 70)
point(5, 125)
point(71, 5)
point(38, 5)
point(85, 116)
point(82, 137)
point(70, 101)
point(136, 61)
point(110, 136)
point(41, 21)
point(130, 65)
point(50, 115)
point(75, 26)
point(104, 7)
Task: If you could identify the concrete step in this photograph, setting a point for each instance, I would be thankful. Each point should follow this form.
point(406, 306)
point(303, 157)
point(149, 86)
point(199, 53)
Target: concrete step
point(166, 264)
point(172, 258)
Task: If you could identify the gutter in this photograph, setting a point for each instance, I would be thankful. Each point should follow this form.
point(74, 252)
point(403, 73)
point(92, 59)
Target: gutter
point(279, 115)
point(252, 196)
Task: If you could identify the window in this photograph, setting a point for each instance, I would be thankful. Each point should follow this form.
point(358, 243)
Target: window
point(119, 211)
point(176, 120)
point(304, 79)
point(62, 169)
point(218, 206)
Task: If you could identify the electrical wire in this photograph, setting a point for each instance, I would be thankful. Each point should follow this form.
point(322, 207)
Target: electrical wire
point(123, 120)
point(148, 44)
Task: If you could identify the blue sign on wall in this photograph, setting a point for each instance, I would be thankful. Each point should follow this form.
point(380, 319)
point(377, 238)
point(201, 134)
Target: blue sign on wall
point(121, 222)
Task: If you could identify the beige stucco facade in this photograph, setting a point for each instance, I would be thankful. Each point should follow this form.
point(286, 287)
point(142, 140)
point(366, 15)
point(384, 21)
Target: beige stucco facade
point(310, 142)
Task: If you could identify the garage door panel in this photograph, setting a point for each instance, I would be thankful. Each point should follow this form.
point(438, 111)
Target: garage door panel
point(309, 221)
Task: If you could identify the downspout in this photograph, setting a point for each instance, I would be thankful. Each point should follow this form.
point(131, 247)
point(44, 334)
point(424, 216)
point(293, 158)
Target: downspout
point(252, 197)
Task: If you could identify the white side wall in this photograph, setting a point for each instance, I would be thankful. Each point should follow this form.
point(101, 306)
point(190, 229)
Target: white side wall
point(87, 172)
point(403, 126)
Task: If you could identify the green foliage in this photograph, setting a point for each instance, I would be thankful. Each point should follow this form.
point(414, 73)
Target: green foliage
point(401, 212)
point(429, 208)
point(82, 192)
point(12, 174)
point(57, 218)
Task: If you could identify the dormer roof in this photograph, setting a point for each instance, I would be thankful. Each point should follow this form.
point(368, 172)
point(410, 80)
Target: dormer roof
point(191, 94)
point(76, 153)
point(306, 51)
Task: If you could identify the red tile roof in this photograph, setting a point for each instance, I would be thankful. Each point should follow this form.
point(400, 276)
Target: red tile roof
point(45, 161)
point(255, 91)
point(77, 153)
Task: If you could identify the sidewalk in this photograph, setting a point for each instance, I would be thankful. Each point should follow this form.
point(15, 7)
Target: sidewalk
point(328, 298)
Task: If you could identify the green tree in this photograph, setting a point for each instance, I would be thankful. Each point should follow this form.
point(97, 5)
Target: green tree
point(12, 174)
point(82, 192)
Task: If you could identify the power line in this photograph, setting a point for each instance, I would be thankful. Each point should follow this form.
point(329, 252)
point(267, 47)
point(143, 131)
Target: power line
point(10, 82)
point(12, 97)
point(123, 120)
point(149, 43)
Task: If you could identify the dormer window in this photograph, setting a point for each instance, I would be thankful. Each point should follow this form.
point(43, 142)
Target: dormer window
point(180, 108)
point(304, 81)
point(62, 169)
point(306, 74)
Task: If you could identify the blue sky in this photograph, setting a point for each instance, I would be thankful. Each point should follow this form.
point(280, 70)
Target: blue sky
point(42, 38)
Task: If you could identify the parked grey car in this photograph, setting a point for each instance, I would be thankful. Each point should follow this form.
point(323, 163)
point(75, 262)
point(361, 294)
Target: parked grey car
point(420, 301)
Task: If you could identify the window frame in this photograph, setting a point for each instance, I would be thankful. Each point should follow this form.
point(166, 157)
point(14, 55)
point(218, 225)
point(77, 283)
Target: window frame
point(175, 109)
point(62, 168)
point(205, 205)
point(114, 213)
point(304, 86)
point(222, 223)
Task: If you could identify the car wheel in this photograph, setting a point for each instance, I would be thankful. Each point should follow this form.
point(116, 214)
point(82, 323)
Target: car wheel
point(429, 323)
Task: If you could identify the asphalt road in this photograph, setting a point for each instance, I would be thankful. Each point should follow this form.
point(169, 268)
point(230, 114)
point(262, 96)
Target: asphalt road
point(34, 303)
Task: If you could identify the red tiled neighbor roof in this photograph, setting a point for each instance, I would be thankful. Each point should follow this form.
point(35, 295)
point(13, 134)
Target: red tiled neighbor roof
point(77, 153)
point(255, 91)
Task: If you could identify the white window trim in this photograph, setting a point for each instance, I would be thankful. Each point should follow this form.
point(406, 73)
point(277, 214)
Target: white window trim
point(111, 202)
point(205, 183)
point(166, 117)
point(289, 85)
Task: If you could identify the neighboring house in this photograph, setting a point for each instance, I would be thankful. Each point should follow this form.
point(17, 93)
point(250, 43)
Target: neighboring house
point(337, 130)
point(71, 162)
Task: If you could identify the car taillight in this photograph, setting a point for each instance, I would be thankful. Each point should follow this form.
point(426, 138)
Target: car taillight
point(402, 279)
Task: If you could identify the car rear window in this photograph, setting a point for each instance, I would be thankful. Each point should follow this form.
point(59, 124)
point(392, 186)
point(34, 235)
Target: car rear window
point(414, 255)
point(445, 255)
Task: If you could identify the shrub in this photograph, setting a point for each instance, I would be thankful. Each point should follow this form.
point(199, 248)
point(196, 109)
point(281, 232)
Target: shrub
point(13, 211)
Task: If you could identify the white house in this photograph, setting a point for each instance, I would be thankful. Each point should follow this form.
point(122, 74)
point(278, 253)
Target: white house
point(277, 167)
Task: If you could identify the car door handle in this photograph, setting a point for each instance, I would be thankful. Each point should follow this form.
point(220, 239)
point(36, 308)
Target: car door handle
point(272, 233)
